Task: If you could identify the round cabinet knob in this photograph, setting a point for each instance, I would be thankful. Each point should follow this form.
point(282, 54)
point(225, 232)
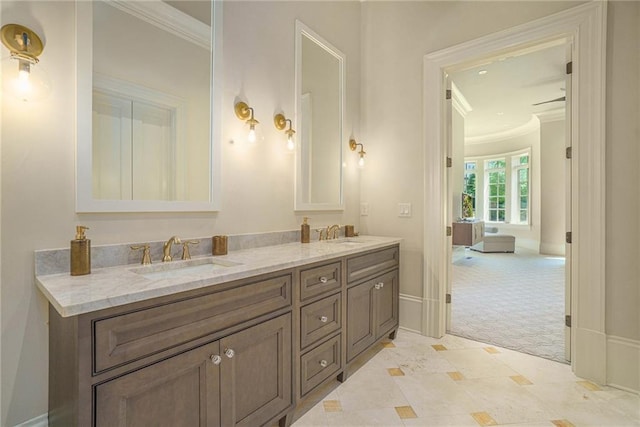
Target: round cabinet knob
point(324, 319)
point(323, 363)
point(377, 286)
point(229, 353)
point(216, 359)
point(323, 279)
point(381, 284)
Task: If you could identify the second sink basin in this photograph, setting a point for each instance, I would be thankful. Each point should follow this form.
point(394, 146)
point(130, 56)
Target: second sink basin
point(176, 269)
point(346, 241)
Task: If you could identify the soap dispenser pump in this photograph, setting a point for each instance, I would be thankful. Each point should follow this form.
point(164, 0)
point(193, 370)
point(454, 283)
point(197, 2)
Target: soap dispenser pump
point(80, 255)
point(305, 231)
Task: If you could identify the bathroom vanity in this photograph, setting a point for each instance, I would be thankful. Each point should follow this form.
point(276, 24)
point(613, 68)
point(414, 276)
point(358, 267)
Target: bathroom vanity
point(239, 339)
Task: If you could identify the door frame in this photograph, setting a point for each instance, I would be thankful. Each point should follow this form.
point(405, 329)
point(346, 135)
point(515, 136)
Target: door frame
point(585, 28)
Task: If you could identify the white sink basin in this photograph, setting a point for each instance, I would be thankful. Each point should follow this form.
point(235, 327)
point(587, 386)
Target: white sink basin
point(177, 269)
point(347, 241)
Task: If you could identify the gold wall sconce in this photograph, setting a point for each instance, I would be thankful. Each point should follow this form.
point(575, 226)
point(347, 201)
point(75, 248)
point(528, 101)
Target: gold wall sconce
point(244, 112)
point(20, 78)
point(353, 145)
point(280, 121)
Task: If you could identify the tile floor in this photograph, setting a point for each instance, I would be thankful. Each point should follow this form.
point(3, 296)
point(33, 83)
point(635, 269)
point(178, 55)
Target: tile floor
point(453, 381)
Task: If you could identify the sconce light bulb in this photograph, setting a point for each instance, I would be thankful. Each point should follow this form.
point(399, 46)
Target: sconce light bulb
point(252, 134)
point(290, 144)
point(361, 160)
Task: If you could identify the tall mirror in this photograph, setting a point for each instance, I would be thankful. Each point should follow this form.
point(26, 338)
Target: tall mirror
point(146, 129)
point(319, 111)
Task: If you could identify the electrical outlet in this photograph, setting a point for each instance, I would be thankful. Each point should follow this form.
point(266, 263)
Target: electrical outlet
point(404, 210)
point(364, 209)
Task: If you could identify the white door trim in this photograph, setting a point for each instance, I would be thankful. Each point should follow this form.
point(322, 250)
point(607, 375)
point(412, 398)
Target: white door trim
point(585, 27)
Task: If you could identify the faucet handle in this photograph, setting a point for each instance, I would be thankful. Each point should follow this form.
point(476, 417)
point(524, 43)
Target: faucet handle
point(146, 257)
point(185, 248)
point(321, 230)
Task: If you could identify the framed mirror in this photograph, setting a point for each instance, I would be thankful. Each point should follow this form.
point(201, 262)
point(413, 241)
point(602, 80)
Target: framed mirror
point(148, 127)
point(319, 120)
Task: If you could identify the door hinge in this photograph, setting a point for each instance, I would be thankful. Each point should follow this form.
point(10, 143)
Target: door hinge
point(448, 300)
point(568, 152)
point(569, 67)
point(448, 94)
point(449, 162)
point(449, 230)
point(567, 320)
point(568, 237)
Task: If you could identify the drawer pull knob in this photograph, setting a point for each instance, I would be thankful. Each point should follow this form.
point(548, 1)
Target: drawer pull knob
point(229, 353)
point(379, 285)
point(324, 319)
point(323, 363)
point(323, 279)
point(216, 359)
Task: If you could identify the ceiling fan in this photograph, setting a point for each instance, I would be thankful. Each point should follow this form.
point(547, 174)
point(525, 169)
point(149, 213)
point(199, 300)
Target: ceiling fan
point(562, 98)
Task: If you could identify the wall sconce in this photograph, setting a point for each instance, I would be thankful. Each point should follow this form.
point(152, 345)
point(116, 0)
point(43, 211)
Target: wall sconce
point(244, 112)
point(281, 122)
point(353, 145)
point(20, 78)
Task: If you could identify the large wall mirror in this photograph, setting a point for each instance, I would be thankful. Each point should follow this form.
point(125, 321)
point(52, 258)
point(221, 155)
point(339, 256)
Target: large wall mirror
point(319, 115)
point(147, 129)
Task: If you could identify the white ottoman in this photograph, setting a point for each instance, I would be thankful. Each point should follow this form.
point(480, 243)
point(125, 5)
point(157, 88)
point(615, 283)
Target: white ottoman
point(496, 243)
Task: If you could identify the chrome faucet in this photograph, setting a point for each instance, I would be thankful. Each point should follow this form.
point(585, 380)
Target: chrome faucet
point(166, 248)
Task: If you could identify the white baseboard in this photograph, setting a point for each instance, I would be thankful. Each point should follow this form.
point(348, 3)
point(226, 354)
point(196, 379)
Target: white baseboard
point(411, 313)
point(39, 421)
point(589, 360)
point(552, 249)
point(623, 363)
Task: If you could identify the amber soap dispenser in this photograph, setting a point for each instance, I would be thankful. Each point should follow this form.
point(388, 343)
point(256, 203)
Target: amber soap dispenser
point(80, 253)
point(305, 231)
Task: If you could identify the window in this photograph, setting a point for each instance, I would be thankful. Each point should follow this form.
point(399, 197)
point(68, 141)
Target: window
point(496, 190)
point(498, 187)
point(469, 191)
point(521, 182)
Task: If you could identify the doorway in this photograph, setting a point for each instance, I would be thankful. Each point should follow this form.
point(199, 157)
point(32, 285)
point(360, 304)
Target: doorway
point(507, 143)
point(584, 26)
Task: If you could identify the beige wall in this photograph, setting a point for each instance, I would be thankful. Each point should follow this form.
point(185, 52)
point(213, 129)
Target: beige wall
point(623, 174)
point(37, 170)
point(457, 164)
point(553, 191)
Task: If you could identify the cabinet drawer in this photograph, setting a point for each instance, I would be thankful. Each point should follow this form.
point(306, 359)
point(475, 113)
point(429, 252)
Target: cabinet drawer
point(318, 280)
point(360, 267)
point(319, 319)
point(319, 364)
point(120, 339)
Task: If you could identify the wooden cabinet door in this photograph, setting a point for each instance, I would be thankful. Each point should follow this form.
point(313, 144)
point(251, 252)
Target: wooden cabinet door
point(386, 300)
point(255, 374)
point(360, 321)
point(180, 391)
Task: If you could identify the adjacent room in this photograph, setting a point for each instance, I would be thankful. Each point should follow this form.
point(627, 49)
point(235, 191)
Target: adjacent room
point(509, 195)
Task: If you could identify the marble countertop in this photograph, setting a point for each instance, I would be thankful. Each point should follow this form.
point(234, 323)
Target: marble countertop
point(115, 286)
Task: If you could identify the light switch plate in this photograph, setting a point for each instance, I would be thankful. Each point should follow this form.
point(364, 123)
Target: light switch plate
point(364, 209)
point(404, 210)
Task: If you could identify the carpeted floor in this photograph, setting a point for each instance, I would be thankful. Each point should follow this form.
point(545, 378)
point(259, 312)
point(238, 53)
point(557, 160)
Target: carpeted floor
point(510, 300)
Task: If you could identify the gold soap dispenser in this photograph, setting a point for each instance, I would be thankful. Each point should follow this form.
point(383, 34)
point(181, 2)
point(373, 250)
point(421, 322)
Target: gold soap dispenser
point(305, 231)
point(80, 253)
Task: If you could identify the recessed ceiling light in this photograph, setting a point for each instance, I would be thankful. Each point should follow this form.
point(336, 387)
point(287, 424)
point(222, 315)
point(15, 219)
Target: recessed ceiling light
point(500, 113)
point(482, 72)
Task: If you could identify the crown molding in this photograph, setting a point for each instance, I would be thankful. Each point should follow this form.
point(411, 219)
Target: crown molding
point(554, 115)
point(459, 102)
point(168, 18)
point(532, 125)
